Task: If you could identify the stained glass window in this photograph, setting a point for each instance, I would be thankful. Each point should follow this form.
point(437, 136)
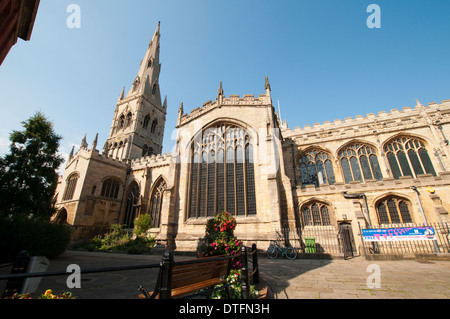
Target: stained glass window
point(393, 210)
point(226, 178)
point(408, 156)
point(315, 214)
point(360, 163)
point(316, 168)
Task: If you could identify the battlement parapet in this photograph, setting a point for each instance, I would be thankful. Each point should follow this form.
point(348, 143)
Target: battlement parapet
point(232, 101)
point(152, 161)
point(374, 122)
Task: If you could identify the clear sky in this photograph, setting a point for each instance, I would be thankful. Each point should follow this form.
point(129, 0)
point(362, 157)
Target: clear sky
point(322, 60)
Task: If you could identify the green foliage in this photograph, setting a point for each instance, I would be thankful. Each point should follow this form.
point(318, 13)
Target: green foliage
point(118, 240)
point(142, 224)
point(39, 238)
point(220, 238)
point(28, 175)
point(235, 287)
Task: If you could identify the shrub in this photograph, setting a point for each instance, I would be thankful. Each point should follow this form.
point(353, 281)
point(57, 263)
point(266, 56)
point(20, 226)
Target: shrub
point(142, 224)
point(38, 237)
point(118, 240)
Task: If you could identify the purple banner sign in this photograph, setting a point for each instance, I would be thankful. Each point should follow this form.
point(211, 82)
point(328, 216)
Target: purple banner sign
point(399, 234)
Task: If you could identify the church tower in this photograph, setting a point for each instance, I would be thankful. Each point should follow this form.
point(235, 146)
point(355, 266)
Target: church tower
point(137, 128)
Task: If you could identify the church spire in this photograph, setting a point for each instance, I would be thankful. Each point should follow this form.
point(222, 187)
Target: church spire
point(147, 79)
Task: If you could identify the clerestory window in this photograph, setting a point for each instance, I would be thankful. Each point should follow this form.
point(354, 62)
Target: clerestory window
point(360, 163)
point(316, 168)
point(408, 156)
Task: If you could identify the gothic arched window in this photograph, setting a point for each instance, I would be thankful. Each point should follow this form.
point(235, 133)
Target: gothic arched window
point(110, 188)
point(153, 128)
point(146, 121)
point(156, 201)
point(71, 184)
point(131, 207)
point(316, 168)
point(393, 210)
point(315, 214)
point(407, 156)
point(121, 121)
point(129, 119)
point(359, 163)
point(222, 174)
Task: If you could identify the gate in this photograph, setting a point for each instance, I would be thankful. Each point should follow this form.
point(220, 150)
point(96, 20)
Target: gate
point(346, 239)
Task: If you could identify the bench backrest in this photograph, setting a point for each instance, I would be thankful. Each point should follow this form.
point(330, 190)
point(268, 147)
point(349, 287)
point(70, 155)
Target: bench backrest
point(191, 272)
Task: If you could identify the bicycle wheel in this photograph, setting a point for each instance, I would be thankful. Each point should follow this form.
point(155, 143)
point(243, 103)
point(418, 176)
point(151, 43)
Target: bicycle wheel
point(291, 253)
point(272, 252)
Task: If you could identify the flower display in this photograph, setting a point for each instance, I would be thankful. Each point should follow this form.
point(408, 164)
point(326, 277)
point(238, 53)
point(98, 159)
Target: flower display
point(220, 239)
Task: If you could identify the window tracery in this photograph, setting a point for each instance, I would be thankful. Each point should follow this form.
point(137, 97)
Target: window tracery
point(222, 173)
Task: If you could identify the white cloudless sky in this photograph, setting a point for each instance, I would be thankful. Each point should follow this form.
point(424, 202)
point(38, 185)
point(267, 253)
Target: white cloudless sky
point(322, 60)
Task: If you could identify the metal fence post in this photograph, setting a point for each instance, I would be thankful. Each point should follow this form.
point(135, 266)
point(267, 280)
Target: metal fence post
point(245, 283)
point(166, 280)
point(255, 264)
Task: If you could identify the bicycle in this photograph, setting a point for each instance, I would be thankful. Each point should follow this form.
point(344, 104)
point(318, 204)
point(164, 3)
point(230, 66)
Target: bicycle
point(274, 251)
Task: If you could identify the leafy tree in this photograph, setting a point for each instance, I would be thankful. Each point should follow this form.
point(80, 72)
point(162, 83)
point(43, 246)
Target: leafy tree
point(28, 175)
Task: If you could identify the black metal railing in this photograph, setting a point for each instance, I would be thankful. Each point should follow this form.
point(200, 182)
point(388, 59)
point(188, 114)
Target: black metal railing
point(15, 279)
point(247, 277)
point(312, 239)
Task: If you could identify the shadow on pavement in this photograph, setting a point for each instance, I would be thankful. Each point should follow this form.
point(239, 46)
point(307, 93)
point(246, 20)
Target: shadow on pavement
point(278, 273)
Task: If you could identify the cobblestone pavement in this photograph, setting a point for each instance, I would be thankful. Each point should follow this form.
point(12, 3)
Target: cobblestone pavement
point(299, 279)
point(357, 279)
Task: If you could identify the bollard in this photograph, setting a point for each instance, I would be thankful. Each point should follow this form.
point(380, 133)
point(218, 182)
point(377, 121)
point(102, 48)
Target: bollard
point(166, 278)
point(255, 264)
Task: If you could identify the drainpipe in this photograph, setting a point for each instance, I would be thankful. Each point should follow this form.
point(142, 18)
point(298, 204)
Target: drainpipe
point(414, 188)
point(366, 208)
point(358, 196)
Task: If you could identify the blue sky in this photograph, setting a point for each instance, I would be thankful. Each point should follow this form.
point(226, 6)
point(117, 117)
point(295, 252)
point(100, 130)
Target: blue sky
point(322, 60)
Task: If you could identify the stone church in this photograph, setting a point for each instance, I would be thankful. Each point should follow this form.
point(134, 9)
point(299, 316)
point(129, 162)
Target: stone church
point(235, 154)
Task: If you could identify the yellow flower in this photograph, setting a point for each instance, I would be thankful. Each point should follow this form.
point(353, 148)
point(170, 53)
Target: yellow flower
point(48, 292)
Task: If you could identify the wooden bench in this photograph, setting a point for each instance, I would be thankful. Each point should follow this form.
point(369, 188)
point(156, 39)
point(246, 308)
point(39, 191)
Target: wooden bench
point(181, 279)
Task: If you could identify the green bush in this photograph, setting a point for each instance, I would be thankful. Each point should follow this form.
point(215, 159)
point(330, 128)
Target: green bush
point(39, 238)
point(142, 224)
point(118, 240)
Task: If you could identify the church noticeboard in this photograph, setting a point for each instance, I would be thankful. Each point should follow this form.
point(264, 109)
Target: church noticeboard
point(399, 234)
